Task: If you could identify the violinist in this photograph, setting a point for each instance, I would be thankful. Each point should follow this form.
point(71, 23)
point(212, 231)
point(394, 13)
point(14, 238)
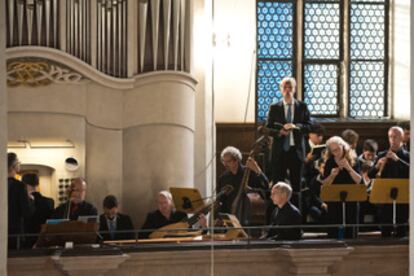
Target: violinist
point(231, 158)
point(393, 163)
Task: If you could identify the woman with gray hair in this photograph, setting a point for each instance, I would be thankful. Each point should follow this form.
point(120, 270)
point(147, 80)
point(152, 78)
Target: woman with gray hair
point(340, 169)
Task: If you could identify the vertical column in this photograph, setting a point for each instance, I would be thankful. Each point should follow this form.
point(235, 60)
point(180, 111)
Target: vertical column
point(62, 25)
point(132, 39)
point(411, 219)
point(3, 142)
point(93, 32)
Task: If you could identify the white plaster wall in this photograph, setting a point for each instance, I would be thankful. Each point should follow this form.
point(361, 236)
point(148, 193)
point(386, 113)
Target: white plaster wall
point(204, 136)
point(234, 60)
point(156, 157)
point(104, 164)
point(401, 61)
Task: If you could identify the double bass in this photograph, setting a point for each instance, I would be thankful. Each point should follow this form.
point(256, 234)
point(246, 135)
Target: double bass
point(249, 206)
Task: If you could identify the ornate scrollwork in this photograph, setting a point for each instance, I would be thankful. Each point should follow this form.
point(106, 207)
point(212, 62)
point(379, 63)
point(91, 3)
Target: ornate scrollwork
point(39, 73)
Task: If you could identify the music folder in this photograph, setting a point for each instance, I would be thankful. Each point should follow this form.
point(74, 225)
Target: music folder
point(187, 200)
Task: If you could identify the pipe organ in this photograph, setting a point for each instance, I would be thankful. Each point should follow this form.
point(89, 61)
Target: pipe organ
point(99, 32)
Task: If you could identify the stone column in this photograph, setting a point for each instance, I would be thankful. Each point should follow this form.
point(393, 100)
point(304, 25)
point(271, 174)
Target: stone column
point(3, 141)
point(158, 139)
point(411, 142)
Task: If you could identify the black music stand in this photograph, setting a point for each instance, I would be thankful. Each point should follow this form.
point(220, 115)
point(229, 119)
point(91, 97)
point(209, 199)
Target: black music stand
point(390, 191)
point(77, 232)
point(345, 193)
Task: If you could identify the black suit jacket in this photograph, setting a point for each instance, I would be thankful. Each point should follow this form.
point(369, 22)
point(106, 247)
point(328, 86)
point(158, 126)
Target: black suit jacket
point(123, 223)
point(44, 210)
point(84, 209)
point(301, 119)
point(20, 206)
point(287, 215)
point(156, 220)
point(393, 169)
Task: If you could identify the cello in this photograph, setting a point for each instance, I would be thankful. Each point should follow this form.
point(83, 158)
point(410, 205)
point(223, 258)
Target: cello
point(249, 206)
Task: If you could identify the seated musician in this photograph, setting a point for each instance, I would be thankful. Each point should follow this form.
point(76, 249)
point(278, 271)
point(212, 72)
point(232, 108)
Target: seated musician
point(316, 134)
point(284, 214)
point(164, 215)
point(340, 169)
point(231, 158)
point(76, 205)
point(111, 221)
point(393, 163)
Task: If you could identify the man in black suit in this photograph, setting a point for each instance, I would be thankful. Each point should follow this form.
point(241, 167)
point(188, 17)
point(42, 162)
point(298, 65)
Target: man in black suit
point(111, 221)
point(20, 202)
point(284, 214)
point(393, 163)
point(44, 207)
point(76, 205)
point(291, 119)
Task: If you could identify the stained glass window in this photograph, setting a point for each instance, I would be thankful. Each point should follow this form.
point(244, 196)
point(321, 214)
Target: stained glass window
point(275, 53)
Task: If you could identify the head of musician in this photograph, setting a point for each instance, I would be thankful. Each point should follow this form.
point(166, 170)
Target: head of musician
point(77, 190)
point(13, 164)
point(395, 138)
point(316, 134)
point(339, 149)
point(110, 206)
point(369, 150)
point(231, 158)
point(165, 203)
point(351, 137)
point(281, 193)
point(288, 88)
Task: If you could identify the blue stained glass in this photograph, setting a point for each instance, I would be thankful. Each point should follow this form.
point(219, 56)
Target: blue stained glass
point(367, 31)
point(367, 89)
point(321, 88)
point(270, 72)
point(276, 20)
point(322, 25)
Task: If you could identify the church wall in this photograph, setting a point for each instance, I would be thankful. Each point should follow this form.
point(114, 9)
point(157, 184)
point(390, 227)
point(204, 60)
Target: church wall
point(401, 60)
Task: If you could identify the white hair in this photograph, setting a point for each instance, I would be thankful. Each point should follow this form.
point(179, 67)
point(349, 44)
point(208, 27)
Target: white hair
point(396, 129)
point(284, 188)
point(290, 80)
point(166, 194)
point(339, 141)
point(233, 152)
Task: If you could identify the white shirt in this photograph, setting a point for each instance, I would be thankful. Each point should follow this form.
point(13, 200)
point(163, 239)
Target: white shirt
point(292, 109)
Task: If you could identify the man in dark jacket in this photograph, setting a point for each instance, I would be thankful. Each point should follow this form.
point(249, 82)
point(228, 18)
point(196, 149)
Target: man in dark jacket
point(20, 202)
point(284, 214)
point(44, 207)
point(393, 163)
point(111, 222)
point(291, 119)
point(76, 206)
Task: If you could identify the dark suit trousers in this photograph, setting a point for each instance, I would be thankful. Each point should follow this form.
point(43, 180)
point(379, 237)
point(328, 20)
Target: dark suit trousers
point(289, 160)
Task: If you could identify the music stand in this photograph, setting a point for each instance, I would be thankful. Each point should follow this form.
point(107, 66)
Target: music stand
point(235, 229)
point(187, 200)
point(344, 193)
point(390, 191)
point(77, 232)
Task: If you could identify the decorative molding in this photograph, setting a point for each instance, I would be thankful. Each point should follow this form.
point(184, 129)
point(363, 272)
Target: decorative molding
point(88, 72)
point(39, 73)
